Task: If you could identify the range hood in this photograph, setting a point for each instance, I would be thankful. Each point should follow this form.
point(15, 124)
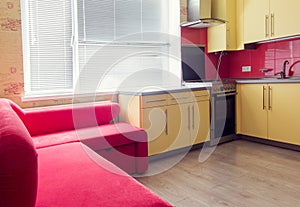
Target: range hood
point(199, 15)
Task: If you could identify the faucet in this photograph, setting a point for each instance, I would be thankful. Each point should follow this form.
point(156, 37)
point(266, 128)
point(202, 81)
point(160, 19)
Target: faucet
point(282, 73)
point(291, 70)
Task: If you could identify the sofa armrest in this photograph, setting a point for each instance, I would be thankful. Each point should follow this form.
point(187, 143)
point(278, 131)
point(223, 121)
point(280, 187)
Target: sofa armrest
point(18, 160)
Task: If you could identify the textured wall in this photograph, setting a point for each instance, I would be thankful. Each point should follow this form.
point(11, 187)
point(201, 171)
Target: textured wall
point(183, 11)
point(11, 66)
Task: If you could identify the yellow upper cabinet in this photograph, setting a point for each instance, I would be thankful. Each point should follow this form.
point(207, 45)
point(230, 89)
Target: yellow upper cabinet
point(270, 19)
point(223, 36)
point(256, 20)
point(285, 17)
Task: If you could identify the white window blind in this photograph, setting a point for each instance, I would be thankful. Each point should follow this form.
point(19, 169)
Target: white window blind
point(48, 52)
point(135, 55)
point(86, 46)
point(109, 20)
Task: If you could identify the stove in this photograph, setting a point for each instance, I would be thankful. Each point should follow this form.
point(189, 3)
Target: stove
point(224, 86)
point(222, 111)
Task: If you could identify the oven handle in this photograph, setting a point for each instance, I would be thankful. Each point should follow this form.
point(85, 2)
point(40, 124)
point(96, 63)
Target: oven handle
point(226, 94)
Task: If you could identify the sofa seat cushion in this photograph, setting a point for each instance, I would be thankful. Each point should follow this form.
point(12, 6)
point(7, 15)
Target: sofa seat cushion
point(117, 134)
point(99, 137)
point(73, 175)
point(53, 139)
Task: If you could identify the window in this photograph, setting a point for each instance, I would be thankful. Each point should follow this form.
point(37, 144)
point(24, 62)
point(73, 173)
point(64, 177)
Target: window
point(86, 46)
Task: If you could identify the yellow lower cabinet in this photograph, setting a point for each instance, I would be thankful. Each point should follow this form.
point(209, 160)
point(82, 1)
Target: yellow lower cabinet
point(154, 121)
point(269, 111)
point(284, 114)
point(167, 128)
point(251, 110)
point(171, 121)
point(200, 127)
point(180, 125)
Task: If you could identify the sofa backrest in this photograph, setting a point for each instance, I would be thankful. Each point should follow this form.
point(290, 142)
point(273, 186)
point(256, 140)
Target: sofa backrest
point(68, 117)
point(18, 160)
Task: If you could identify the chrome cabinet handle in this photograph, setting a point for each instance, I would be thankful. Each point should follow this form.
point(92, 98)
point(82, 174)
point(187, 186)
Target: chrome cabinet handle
point(180, 98)
point(264, 90)
point(193, 114)
point(166, 113)
point(267, 25)
point(272, 24)
point(202, 95)
point(228, 38)
point(156, 101)
point(269, 98)
point(189, 117)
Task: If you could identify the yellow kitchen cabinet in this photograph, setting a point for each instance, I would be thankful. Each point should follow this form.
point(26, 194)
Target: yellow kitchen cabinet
point(154, 122)
point(269, 111)
point(251, 110)
point(163, 129)
point(256, 20)
point(171, 121)
point(200, 117)
point(284, 113)
point(270, 19)
point(223, 36)
point(200, 129)
point(285, 17)
point(167, 128)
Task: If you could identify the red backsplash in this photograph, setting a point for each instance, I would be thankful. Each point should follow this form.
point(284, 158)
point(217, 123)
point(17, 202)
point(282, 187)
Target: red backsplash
point(266, 55)
point(199, 37)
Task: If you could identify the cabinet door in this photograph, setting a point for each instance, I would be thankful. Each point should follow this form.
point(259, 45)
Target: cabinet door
point(154, 121)
point(217, 38)
point(167, 127)
point(284, 115)
point(285, 18)
point(179, 125)
point(252, 110)
point(223, 36)
point(256, 20)
point(200, 119)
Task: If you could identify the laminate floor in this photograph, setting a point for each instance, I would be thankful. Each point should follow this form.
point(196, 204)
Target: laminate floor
point(239, 173)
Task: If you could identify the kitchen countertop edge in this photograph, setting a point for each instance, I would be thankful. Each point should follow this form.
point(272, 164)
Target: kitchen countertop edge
point(164, 91)
point(267, 80)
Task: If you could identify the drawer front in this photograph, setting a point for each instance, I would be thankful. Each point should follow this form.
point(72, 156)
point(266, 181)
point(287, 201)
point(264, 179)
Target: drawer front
point(154, 100)
point(179, 98)
point(202, 95)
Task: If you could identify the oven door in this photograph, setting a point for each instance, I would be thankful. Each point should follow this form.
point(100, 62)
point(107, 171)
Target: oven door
point(223, 115)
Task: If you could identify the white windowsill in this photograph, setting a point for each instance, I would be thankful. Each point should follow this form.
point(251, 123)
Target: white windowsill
point(28, 98)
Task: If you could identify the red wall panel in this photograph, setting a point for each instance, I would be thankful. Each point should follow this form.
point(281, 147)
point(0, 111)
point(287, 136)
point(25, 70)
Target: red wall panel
point(267, 55)
point(199, 37)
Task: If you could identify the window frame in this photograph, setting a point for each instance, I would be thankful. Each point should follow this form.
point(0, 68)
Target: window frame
point(66, 93)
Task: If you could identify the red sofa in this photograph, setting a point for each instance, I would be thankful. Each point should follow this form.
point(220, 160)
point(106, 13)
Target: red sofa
point(121, 143)
point(48, 160)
